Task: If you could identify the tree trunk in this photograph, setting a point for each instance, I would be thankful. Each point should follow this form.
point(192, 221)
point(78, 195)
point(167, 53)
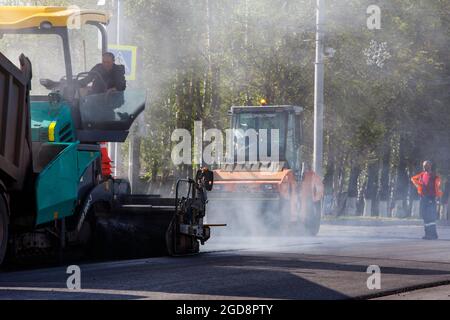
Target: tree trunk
point(352, 194)
point(401, 188)
point(385, 189)
point(154, 178)
point(370, 193)
point(329, 179)
point(207, 75)
point(414, 196)
point(135, 163)
point(339, 183)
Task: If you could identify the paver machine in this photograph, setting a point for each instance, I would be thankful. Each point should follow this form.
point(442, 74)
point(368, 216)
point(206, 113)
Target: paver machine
point(56, 191)
point(273, 192)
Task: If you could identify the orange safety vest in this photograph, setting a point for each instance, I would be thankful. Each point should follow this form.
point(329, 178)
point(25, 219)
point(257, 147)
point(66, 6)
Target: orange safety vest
point(420, 185)
point(106, 160)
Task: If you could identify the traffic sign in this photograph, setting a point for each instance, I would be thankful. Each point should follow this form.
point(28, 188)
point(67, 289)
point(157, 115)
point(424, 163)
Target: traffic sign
point(126, 56)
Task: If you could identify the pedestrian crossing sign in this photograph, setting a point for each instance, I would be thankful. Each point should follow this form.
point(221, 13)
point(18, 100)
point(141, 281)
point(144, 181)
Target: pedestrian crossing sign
point(126, 56)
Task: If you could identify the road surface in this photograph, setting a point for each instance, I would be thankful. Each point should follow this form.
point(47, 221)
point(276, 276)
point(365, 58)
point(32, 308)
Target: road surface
point(331, 266)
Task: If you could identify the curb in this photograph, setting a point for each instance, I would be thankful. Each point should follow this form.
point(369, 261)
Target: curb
point(375, 222)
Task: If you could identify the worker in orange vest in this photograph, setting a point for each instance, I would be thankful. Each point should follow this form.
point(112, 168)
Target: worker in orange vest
point(428, 185)
point(106, 161)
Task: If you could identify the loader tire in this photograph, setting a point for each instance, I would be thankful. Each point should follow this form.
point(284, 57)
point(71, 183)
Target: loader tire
point(313, 218)
point(3, 229)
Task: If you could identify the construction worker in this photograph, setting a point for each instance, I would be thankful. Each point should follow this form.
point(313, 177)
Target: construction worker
point(106, 76)
point(428, 185)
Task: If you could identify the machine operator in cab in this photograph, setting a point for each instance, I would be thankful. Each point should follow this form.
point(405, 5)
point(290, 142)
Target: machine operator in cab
point(105, 77)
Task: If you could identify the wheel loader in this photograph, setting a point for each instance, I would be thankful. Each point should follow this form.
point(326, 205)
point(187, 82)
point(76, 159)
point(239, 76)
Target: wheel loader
point(267, 194)
point(56, 191)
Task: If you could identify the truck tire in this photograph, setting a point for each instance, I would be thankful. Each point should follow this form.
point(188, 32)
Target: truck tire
point(313, 218)
point(3, 229)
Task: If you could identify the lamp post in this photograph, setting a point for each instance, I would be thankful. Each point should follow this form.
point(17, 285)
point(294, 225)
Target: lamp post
point(319, 90)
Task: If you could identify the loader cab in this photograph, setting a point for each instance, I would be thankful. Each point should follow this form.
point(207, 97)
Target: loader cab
point(288, 120)
point(63, 44)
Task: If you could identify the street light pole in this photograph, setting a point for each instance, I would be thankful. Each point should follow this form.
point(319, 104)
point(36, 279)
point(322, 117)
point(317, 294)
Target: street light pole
point(118, 23)
point(319, 90)
point(116, 147)
point(133, 158)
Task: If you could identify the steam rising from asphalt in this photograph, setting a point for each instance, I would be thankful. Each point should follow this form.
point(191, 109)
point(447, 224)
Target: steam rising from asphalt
point(242, 219)
point(162, 59)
